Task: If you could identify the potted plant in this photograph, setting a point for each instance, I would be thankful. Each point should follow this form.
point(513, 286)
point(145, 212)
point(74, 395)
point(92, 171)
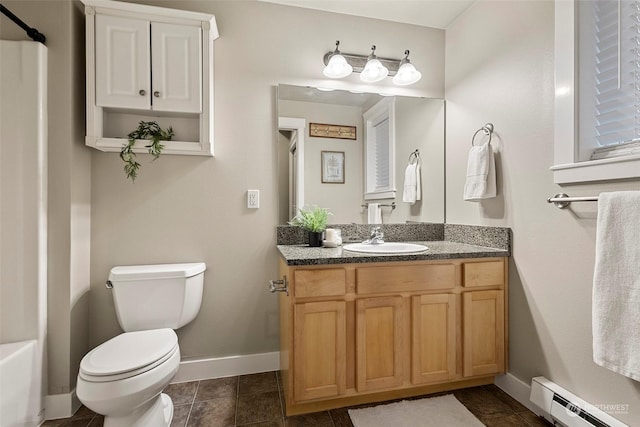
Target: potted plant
point(313, 220)
point(145, 130)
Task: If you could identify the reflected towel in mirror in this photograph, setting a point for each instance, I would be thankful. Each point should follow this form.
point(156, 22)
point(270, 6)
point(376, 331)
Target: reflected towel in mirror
point(412, 188)
point(374, 213)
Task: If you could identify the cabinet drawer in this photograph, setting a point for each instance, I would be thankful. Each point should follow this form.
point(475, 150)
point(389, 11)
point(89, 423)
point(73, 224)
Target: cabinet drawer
point(486, 273)
point(320, 283)
point(416, 278)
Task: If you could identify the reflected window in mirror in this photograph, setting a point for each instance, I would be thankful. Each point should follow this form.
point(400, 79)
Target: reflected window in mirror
point(379, 140)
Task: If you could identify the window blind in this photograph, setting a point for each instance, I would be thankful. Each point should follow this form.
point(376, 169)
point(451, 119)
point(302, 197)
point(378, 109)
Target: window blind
point(610, 77)
point(381, 149)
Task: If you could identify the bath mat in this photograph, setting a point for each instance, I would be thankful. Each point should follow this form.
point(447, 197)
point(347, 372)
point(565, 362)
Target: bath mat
point(436, 411)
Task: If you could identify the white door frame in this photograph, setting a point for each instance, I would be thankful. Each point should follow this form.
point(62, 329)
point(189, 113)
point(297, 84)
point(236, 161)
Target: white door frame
point(296, 125)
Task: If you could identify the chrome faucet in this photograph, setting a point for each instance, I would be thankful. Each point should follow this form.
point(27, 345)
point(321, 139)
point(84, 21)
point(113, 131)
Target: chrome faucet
point(376, 237)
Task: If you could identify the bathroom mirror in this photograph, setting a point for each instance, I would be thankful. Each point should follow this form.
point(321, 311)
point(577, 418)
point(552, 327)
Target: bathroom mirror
point(322, 133)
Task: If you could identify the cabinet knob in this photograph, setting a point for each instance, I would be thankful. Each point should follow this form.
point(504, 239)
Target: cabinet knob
point(156, 94)
point(142, 92)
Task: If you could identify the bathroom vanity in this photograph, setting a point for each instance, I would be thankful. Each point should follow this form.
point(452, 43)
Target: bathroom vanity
point(359, 328)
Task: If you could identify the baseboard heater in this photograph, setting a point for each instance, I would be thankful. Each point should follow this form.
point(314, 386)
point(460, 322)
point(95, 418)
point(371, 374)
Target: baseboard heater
point(562, 408)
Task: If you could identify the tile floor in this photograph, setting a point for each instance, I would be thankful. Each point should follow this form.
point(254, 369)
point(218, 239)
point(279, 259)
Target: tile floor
point(256, 401)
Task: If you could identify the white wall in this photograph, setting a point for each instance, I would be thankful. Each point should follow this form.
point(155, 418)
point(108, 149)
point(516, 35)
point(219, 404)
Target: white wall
point(194, 208)
point(499, 69)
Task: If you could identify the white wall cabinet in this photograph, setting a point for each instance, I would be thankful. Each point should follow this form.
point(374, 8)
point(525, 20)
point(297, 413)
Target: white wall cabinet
point(149, 63)
point(123, 54)
point(176, 68)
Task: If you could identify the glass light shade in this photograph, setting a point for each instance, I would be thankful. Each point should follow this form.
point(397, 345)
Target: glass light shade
point(407, 75)
point(337, 67)
point(373, 71)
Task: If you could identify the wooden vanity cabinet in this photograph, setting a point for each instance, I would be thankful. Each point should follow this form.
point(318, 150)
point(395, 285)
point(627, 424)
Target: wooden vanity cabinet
point(357, 333)
point(483, 332)
point(319, 355)
point(434, 327)
point(484, 327)
point(379, 342)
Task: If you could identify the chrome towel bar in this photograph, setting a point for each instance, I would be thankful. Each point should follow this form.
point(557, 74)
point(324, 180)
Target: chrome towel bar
point(392, 205)
point(562, 200)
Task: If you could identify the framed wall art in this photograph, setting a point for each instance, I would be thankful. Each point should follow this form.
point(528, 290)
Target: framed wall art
point(332, 167)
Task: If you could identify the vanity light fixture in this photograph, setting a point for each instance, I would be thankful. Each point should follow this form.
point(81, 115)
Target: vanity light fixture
point(337, 66)
point(407, 73)
point(371, 68)
point(373, 71)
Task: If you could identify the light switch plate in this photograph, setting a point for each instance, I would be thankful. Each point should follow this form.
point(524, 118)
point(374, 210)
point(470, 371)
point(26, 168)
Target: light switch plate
point(253, 199)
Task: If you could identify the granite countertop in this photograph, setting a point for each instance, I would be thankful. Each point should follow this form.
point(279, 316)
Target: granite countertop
point(305, 255)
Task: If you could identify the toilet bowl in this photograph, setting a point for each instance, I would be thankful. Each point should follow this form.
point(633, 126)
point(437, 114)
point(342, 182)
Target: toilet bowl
point(123, 378)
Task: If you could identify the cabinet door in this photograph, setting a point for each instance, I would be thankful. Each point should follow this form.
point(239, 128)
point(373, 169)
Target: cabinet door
point(483, 331)
point(433, 338)
point(320, 350)
point(123, 77)
point(379, 343)
point(177, 67)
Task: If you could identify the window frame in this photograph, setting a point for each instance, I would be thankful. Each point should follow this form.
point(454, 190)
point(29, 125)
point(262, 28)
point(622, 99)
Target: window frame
point(567, 167)
point(383, 109)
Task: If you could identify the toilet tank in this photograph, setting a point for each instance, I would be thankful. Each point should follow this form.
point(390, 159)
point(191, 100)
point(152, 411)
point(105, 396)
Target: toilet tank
point(157, 296)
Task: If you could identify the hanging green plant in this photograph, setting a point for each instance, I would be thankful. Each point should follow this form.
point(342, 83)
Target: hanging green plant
point(146, 130)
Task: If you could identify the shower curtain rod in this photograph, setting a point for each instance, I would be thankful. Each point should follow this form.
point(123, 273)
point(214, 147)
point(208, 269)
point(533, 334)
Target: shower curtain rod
point(31, 32)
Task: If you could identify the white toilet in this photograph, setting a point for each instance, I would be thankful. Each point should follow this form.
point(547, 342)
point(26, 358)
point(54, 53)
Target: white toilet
point(123, 378)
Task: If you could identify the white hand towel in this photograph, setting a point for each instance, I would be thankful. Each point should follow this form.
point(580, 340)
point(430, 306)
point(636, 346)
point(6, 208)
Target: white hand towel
point(616, 284)
point(481, 174)
point(410, 193)
point(418, 182)
point(374, 213)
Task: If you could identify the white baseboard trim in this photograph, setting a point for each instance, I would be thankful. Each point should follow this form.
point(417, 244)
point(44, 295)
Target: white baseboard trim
point(61, 405)
point(517, 389)
point(201, 369)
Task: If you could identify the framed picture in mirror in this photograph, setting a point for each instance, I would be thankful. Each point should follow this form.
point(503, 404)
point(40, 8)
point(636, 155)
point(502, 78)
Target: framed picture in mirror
point(332, 167)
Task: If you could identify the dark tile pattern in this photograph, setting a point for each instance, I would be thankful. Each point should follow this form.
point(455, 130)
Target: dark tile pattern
point(219, 412)
point(215, 388)
point(256, 401)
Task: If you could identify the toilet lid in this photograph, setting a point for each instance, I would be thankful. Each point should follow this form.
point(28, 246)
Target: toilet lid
point(128, 352)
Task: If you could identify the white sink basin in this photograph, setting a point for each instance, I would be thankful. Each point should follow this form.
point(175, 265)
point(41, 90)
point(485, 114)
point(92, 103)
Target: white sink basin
point(385, 248)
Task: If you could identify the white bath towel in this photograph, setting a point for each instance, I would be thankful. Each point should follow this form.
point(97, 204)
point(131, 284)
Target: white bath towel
point(481, 174)
point(616, 284)
point(412, 188)
point(374, 213)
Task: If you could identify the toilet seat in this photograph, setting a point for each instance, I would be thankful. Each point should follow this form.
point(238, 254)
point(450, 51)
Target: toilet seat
point(128, 354)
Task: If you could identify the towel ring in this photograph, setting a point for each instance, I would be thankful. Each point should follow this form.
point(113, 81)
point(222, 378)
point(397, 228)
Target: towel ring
point(416, 154)
point(487, 129)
